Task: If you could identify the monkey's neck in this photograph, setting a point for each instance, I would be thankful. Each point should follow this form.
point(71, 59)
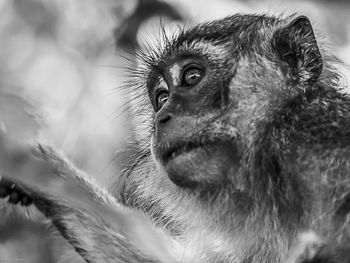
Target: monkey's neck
point(318, 117)
point(297, 145)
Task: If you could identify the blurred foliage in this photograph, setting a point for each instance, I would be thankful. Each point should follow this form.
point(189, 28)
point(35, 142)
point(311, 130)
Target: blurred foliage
point(126, 33)
point(59, 72)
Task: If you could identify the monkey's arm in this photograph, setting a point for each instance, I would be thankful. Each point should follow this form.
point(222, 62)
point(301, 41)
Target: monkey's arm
point(99, 228)
point(94, 237)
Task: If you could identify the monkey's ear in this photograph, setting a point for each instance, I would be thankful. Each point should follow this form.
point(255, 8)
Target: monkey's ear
point(296, 44)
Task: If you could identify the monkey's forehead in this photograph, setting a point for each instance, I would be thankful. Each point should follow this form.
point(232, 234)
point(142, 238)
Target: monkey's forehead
point(238, 32)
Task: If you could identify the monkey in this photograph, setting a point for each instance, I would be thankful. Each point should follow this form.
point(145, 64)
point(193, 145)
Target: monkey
point(243, 154)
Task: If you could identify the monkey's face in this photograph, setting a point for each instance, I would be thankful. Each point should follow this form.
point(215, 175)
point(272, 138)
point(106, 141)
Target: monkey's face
point(204, 124)
point(194, 138)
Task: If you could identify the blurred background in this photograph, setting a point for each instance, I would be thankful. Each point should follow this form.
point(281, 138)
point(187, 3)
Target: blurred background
point(61, 63)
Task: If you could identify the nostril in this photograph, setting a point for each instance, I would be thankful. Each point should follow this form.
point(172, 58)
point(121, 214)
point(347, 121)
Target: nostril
point(164, 119)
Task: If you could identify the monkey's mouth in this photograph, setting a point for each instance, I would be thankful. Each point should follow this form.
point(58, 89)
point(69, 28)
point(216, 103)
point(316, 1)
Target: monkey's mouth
point(172, 151)
point(198, 164)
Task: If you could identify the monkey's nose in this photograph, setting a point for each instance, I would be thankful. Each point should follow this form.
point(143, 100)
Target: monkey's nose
point(164, 118)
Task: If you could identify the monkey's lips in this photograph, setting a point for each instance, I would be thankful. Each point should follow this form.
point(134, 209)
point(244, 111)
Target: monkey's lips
point(194, 164)
point(177, 149)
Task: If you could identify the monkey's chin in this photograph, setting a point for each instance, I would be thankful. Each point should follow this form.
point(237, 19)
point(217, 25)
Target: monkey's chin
point(205, 167)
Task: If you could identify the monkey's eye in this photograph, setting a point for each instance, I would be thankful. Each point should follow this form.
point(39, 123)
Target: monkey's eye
point(161, 98)
point(192, 76)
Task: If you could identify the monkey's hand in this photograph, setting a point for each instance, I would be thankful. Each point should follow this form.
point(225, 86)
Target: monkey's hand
point(91, 219)
point(14, 193)
point(11, 153)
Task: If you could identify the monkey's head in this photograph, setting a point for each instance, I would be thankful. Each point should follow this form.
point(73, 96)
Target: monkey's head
point(226, 100)
point(214, 88)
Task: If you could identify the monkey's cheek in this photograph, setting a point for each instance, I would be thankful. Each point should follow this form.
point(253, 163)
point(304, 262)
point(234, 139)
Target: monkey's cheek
point(200, 168)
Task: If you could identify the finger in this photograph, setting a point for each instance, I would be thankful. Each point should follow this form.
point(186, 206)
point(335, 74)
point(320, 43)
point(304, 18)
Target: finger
point(26, 201)
point(15, 197)
point(4, 191)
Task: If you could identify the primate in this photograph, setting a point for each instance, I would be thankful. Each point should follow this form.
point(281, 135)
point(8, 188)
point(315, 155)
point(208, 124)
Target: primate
point(243, 154)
